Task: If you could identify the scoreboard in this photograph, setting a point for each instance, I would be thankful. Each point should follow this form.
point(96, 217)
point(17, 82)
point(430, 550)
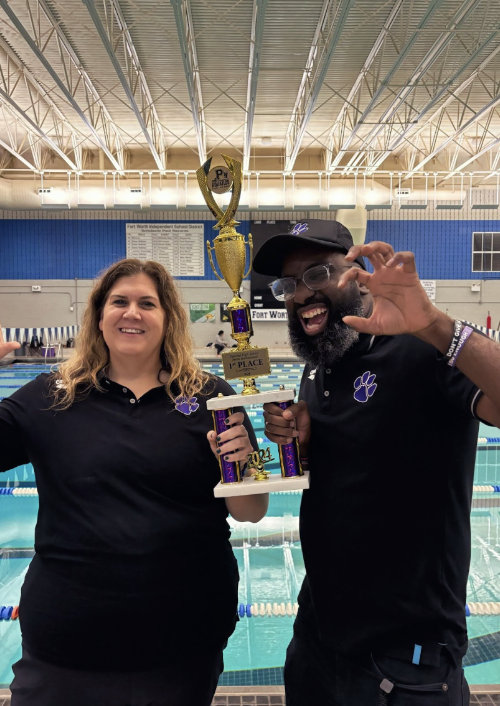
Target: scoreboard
point(261, 297)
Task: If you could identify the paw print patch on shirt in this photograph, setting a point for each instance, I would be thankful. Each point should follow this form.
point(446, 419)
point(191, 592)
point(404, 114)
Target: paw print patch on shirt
point(186, 406)
point(364, 387)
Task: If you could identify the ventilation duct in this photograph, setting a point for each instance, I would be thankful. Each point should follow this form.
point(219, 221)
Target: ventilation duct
point(19, 194)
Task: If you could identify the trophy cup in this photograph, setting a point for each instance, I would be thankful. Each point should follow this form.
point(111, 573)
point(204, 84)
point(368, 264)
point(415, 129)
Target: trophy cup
point(245, 362)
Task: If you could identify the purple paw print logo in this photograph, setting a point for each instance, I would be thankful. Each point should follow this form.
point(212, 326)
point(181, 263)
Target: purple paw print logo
point(186, 405)
point(299, 228)
point(364, 387)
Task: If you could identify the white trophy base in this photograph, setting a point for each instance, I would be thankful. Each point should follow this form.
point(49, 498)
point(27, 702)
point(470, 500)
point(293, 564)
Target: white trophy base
point(249, 486)
point(247, 400)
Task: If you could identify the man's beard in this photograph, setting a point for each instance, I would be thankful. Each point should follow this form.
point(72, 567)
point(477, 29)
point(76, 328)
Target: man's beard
point(337, 338)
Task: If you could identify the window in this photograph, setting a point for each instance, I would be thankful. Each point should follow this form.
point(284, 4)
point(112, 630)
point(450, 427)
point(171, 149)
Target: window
point(486, 252)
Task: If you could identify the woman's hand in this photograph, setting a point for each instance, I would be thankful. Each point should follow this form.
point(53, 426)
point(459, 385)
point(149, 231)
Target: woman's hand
point(232, 444)
point(6, 348)
point(400, 303)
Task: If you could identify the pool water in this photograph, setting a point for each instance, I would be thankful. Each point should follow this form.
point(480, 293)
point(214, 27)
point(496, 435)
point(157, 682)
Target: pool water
point(269, 558)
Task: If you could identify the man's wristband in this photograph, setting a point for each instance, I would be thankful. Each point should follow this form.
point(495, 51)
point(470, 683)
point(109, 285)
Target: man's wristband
point(457, 330)
point(466, 332)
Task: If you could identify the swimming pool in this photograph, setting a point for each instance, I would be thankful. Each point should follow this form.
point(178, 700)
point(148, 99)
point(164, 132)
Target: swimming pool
point(269, 559)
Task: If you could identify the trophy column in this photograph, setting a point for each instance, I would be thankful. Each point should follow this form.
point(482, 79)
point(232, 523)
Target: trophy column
point(230, 471)
point(291, 466)
point(292, 476)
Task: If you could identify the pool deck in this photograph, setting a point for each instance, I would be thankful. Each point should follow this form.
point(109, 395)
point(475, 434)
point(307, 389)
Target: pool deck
point(275, 695)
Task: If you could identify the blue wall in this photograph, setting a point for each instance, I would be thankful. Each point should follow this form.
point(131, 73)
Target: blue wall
point(65, 249)
point(443, 249)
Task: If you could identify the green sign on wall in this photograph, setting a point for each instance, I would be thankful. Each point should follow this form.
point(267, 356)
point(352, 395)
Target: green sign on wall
point(202, 313)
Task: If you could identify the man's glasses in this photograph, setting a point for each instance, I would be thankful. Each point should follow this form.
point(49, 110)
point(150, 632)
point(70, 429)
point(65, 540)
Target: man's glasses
point(317, 277)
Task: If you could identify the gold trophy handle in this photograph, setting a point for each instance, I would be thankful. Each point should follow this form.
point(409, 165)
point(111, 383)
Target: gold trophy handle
point(209, 251)
point(250, 245)
point(228, 216)
point(201, 175)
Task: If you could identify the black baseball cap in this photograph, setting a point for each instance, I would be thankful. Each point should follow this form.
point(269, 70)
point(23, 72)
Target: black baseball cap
point(328, 234)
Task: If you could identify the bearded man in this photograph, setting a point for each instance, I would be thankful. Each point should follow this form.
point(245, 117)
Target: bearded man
point(388, 415)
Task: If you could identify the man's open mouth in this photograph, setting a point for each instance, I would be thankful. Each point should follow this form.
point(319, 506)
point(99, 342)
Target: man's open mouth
point(314, 319)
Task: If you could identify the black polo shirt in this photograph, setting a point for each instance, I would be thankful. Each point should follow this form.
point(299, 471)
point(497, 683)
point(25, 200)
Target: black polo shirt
point(133, 564)
point(385, 525)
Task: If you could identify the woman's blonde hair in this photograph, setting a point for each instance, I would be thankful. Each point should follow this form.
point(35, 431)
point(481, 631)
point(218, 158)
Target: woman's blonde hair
point(76, 377)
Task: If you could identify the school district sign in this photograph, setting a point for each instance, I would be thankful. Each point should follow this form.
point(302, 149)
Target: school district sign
point(269, 315)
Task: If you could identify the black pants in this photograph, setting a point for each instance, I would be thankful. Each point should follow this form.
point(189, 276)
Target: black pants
point(191, 683)
point(219, 348)
point(317, 676)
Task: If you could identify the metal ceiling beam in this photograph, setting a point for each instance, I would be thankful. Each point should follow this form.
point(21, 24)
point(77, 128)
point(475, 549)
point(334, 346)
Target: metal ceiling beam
point(451, 98)
point(259, 13)
point(389, 122)
point(477, 116)
point(339, 125)
point(318, 63)
point(33, 129)
point(9, 82)
point(432, 8)
point(184, 24)
point(443, 41)
point(131, 76)
point(17, 155)
point(493, 143)
point(66, 52)
point(15, 142)
point(409, 131)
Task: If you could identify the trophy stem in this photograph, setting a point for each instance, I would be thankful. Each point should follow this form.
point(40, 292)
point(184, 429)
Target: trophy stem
point(249, 387)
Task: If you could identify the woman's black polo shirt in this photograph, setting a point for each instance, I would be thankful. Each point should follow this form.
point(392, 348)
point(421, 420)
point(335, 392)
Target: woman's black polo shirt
point(133, 564)
point(385, 525)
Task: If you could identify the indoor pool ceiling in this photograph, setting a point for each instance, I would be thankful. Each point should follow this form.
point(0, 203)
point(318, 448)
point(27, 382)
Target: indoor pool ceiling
point(338, 86)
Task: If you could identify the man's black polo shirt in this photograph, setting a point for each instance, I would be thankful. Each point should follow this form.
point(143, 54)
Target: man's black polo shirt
point(133, 565)
point(385, 525)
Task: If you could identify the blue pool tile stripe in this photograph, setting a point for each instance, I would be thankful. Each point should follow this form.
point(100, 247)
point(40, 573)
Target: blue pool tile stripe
point(20, 484)
point(272, 676)
point(485, 648)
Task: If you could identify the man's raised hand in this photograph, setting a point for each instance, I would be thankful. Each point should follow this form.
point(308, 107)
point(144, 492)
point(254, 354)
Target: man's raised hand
point(400, 303)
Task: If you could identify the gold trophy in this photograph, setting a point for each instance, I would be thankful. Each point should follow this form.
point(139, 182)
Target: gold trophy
point(245, 362)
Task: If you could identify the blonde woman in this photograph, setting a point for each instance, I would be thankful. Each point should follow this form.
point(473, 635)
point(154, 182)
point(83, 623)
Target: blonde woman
point(131, 595)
